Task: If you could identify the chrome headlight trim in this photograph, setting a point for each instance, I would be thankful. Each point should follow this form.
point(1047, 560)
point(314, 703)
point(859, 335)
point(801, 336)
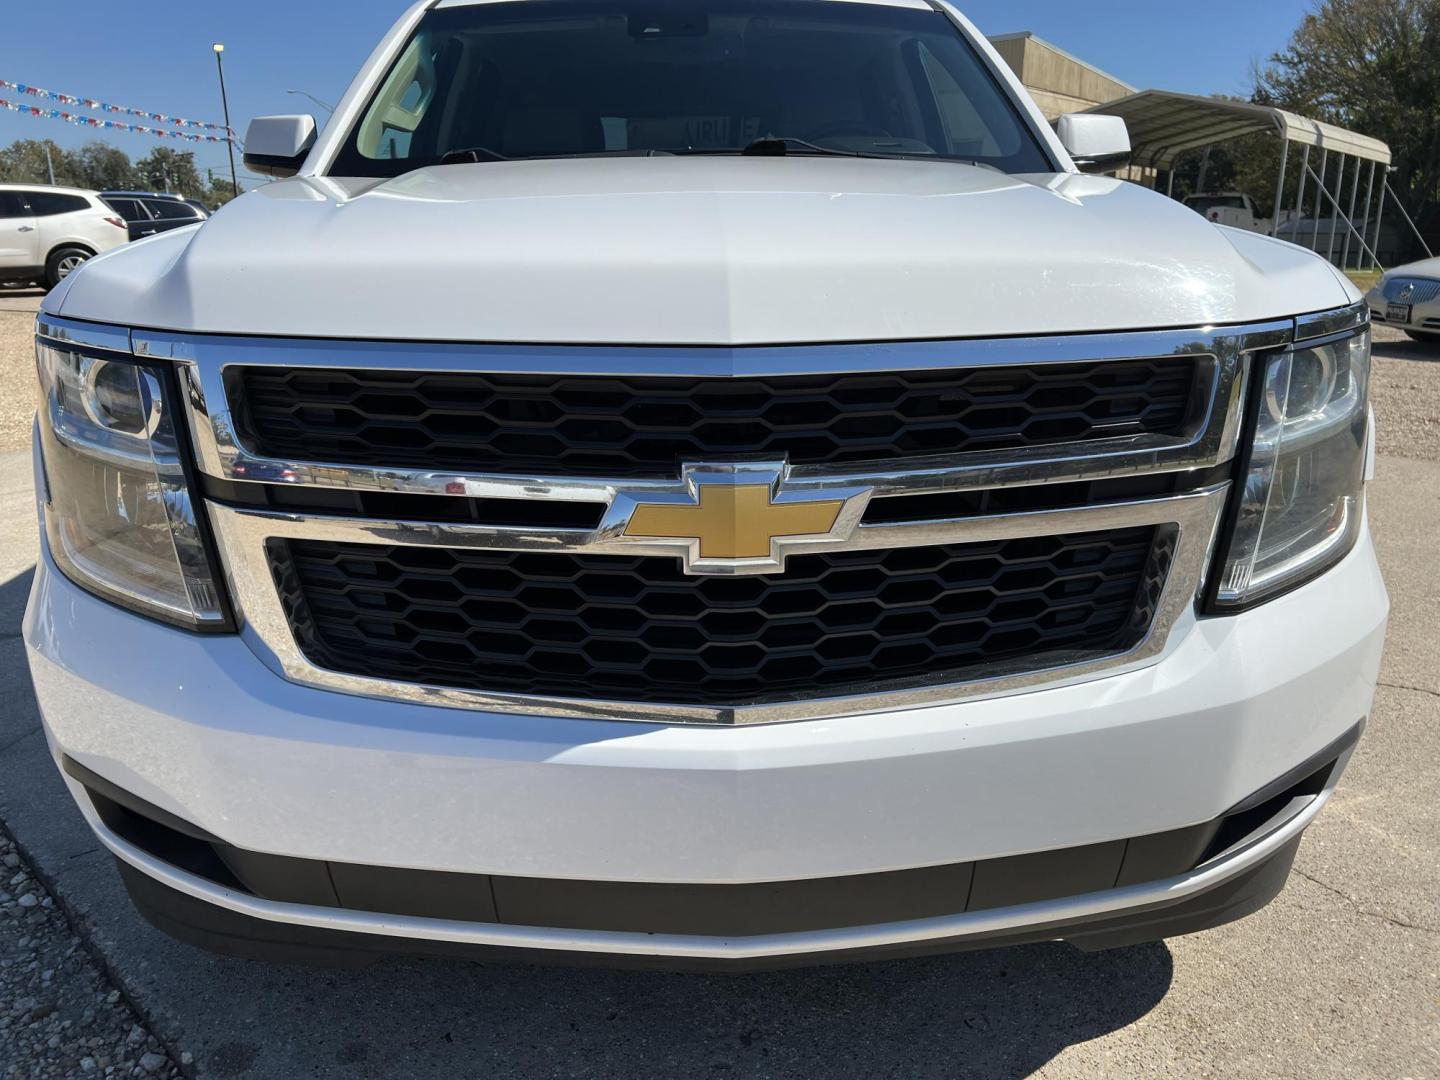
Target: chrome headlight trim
point(120, 508)
point(1283, 452)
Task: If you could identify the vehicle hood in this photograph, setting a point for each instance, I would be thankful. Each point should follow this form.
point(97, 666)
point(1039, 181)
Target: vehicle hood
point(699, 250)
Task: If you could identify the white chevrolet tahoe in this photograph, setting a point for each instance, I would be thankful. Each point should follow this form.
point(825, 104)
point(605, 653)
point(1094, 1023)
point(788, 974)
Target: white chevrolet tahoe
point(700, 484)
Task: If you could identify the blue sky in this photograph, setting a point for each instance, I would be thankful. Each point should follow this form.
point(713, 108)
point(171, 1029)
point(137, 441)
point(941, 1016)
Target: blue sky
point(157, 55)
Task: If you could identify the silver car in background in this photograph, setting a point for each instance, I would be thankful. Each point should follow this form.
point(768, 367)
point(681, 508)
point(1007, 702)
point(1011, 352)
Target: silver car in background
point(1408, 298)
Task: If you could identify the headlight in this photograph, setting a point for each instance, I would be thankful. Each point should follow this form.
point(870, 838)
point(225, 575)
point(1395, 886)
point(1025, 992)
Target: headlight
point(118, 513)
point(1303, 496)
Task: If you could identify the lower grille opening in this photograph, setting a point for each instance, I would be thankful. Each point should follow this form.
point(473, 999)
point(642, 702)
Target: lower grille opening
point(637, 629)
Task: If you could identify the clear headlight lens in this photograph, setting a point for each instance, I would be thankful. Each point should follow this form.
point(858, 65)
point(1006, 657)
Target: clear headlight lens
point(1302, 502)
point(119, 515)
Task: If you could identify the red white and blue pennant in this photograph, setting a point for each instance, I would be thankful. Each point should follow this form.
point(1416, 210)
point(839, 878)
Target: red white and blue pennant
point(104, 123)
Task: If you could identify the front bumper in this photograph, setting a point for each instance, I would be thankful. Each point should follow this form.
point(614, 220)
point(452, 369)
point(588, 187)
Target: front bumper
point(1424, 318)
point(201, 729)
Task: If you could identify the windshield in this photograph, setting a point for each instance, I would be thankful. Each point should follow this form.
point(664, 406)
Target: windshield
point(551, 78)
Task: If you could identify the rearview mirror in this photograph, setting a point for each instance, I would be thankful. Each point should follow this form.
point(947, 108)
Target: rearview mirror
point(1096, 143)
point(278, 145)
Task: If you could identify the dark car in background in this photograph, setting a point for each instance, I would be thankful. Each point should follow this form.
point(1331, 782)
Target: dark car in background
point(148, 213)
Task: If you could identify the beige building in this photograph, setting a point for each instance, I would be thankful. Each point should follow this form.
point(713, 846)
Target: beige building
point(1059, 83)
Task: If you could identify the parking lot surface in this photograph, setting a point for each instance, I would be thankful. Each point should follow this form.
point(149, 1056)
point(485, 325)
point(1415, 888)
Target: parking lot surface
point(1340, 977)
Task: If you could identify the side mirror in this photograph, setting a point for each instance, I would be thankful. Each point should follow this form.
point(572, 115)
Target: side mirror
point(1096, 143)
point(278, 145)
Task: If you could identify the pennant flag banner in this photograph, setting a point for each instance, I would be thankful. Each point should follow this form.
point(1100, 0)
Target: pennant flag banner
point(108, 125)
point(101, 106)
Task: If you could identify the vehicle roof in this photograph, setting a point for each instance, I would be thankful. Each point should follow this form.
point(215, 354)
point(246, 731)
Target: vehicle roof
point(48, 187)
point(145, 195)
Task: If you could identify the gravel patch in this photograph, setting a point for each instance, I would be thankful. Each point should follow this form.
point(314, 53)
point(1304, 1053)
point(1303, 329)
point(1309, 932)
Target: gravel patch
point(59, 1014)
point(17, 378)
point(1405, 390)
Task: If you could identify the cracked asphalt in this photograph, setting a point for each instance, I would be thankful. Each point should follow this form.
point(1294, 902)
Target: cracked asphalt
point(1340, 977)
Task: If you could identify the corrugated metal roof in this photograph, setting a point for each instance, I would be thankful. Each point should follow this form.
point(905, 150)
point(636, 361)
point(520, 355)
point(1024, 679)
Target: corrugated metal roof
point(1164, 124)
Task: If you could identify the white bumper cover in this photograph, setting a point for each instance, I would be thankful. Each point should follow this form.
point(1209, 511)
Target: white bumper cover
point(198, 726)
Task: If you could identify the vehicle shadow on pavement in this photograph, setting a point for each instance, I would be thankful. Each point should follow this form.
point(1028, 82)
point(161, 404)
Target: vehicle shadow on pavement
point(998, 1013)
point(1409, 349)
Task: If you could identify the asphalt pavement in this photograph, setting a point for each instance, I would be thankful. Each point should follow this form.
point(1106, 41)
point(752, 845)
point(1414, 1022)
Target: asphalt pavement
point(1339, 977)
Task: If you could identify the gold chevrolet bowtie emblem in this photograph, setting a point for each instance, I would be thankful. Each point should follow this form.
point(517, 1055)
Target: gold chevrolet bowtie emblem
point(735, 522)
point(737, 519)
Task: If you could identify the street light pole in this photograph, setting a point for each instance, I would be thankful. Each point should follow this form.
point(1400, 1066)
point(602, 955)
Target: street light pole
point(328, 108)
point(225, 103)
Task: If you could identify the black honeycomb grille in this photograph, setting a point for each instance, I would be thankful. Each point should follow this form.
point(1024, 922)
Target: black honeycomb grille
point(637, 629)
point(573, 425)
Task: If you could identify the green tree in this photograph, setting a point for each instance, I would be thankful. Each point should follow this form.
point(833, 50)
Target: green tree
point(24, 162)
point(164, 169)
point(1372, 66)
point(104, 167)
point(219, 191)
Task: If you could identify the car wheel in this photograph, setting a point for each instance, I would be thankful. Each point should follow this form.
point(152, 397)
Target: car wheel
point(62, 263)
point(1422, 337)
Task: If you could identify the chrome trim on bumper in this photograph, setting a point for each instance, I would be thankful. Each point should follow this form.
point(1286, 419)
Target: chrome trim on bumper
point(1222, 868)
point(243, 535)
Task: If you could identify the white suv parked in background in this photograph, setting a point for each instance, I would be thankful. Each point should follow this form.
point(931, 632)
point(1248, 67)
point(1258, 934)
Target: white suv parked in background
point(46, 232)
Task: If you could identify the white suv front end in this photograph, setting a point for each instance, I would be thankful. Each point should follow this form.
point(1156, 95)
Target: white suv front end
point(732, 556)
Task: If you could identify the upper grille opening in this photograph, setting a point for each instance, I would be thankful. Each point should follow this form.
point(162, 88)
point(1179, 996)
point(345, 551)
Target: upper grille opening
point(631, 426)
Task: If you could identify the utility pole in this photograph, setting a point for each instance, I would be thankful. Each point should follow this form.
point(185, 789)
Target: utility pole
point(225, 103)
point(49, 163)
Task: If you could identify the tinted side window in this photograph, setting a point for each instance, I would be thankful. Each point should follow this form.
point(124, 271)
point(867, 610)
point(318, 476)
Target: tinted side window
point(129, 209)
point(11, 206)
point(166, 210)
point(49, 203)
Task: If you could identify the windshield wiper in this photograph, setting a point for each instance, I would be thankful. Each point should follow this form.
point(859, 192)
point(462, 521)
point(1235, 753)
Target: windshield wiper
point(472, 154)
point(779, 146)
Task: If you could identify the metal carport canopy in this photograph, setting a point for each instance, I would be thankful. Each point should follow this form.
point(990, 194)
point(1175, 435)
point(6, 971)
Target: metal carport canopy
point(1164, 124)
